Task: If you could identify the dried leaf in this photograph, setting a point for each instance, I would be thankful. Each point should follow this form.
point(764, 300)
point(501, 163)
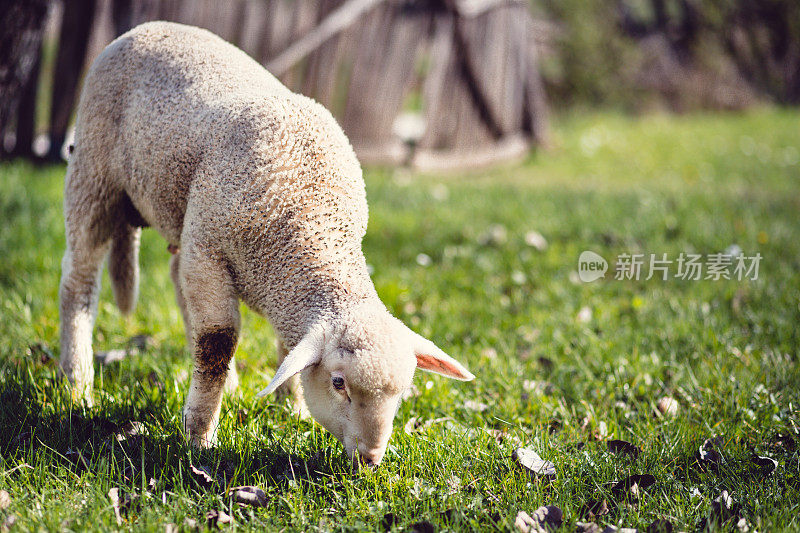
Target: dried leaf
point(473, 405)
point(414, 424)
point(423, 527)
point(594, 508)
point(139, 342)
point(389, 521)
point(784, 442)
point(538, 387)
point(668, 406)
point(121, 501)
point(631, 485)
point(5, 499)
point(724, 508)
point(708, 456)
point(130, 429)
point(766, 465)
point(587, 527)
point(249, 495)
point(542, 519)
point(535, 464)
point(536, 240)
point(217, 517)
point(584, 315)
point(111, 356)
point(623, 447)
point(202, 475)
point(660, 525)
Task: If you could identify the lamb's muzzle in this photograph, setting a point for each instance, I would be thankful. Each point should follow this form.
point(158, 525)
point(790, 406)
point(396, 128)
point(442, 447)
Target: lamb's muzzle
point(261, 199)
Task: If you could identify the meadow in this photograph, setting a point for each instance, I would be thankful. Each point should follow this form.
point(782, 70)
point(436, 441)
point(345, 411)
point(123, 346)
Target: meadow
point(485, 264)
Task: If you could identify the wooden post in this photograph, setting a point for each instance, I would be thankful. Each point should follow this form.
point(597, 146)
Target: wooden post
point(72, 45)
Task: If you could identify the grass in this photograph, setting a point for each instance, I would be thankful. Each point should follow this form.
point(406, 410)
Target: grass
point(727, 351)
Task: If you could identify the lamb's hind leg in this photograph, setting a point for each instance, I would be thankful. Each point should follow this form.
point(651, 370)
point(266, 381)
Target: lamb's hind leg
point(212, 309)
point(88, 239)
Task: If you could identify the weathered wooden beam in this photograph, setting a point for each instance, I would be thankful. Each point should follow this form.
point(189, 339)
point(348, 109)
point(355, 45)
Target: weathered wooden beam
point(337, 21)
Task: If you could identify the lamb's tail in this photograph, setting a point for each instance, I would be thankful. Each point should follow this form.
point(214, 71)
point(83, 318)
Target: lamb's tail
point(123, 266)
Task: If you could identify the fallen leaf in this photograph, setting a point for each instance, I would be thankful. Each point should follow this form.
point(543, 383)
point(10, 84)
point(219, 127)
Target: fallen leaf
point(535, 464)
point(423, 527)
point(389, 521)
point(766, 465)
point(785, 442)
point(120, 501)
point(660, 525)
point(411, 426)
point(502, 436)
point(130, 429)
point(587, 527)
point(623, 447)
point(668, 406)
point(41, 352)
point(414, 424)
point(631, 485)
point(708, 456)
point(495, 235)
point(139, 342)
point(724, 507)
point(5, 499)
point(111, 356)
point(473, 405)
point(217, 518)
point(538, 387)
point(249, 495)
point(544, 518)
point(536, 240)
point(594, 508)
point(202, 475)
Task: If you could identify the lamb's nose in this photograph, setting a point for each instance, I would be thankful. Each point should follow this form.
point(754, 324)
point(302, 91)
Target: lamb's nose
point(370, 458)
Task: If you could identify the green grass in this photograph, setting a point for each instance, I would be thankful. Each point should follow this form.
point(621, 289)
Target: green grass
point(726, 350)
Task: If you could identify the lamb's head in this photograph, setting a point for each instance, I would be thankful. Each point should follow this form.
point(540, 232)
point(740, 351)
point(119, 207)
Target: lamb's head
point(354, 370)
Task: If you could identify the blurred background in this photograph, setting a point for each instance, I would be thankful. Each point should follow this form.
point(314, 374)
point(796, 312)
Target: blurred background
point(434, 84)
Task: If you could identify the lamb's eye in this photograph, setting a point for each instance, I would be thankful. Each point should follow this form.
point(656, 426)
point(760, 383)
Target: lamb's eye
point(338, 383)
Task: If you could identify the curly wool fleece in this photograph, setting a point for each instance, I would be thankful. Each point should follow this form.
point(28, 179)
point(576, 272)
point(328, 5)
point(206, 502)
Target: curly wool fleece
point(262, 193)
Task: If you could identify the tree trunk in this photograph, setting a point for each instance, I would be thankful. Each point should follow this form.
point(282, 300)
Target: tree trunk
point(21, 27)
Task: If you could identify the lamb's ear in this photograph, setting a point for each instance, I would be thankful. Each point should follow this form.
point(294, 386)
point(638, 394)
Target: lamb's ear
point(431, 358)
point(307, 352)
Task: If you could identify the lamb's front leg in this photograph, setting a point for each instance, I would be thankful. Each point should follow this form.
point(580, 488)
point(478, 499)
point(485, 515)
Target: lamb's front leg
point(212, 309)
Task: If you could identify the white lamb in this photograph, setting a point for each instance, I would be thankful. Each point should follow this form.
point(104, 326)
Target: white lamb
point(261, 193)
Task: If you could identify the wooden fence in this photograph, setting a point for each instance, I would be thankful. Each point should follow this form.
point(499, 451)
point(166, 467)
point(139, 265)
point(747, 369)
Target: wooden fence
point(434, 83)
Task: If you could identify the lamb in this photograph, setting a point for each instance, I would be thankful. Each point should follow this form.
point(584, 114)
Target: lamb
point(260, 194)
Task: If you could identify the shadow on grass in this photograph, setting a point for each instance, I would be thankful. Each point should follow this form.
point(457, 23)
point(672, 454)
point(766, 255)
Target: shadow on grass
point(42, 429)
